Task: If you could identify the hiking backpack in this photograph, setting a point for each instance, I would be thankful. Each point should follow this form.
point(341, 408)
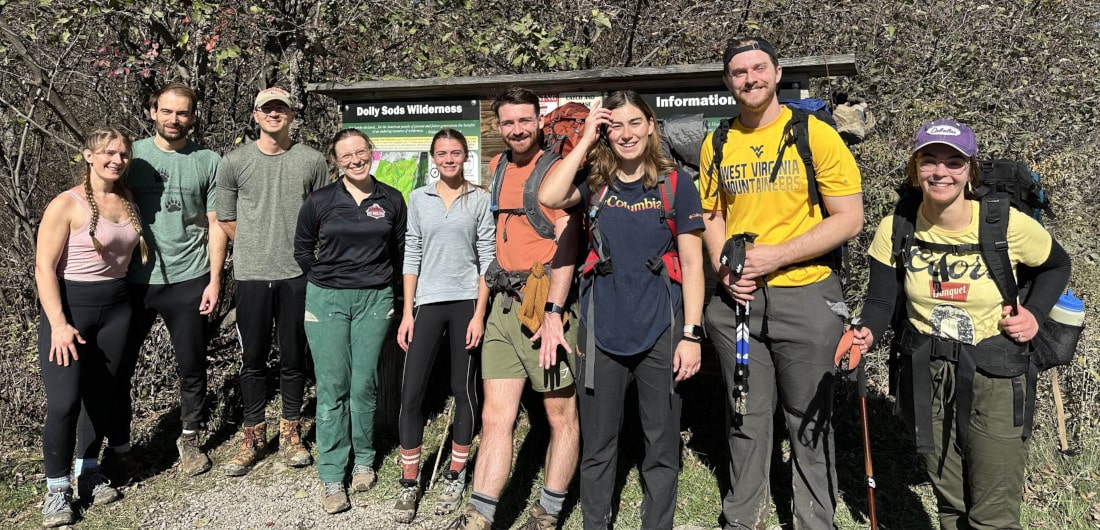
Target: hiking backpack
point(1010, 184)
point(599, 262)
point(1004, 184)
point(796, 132)
point(561, 129)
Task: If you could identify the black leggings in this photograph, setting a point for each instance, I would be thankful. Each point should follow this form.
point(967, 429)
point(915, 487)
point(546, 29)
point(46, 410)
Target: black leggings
point(101, 313)
point(178, 304)
point(428, 325)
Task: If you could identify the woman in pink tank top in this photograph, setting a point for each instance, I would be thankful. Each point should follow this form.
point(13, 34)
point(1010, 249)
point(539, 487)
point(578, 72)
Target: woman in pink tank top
point(85, 241)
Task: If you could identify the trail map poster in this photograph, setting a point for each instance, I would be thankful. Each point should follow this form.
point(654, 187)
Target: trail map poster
point(402, 134)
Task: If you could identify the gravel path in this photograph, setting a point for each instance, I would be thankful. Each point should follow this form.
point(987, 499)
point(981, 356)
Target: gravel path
point(271, 496)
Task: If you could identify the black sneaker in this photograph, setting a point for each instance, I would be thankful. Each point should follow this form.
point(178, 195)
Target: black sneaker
point(95, 489)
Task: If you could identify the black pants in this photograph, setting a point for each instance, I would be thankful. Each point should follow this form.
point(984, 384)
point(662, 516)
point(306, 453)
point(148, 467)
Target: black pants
point(101, 313)
point(178, 304)
point(259, 303)
point(430, 321)
point(601, 410)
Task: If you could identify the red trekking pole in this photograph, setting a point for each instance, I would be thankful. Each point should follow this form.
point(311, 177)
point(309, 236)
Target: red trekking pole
point(854, 354)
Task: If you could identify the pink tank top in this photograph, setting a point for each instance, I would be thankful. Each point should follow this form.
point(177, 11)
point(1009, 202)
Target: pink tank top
point(80, 262)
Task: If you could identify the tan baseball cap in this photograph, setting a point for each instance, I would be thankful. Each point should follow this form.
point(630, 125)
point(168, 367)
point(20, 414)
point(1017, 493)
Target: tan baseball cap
point(273, 94)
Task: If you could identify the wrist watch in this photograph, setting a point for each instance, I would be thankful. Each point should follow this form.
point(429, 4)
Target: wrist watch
point(694, 331)
point(551, 307)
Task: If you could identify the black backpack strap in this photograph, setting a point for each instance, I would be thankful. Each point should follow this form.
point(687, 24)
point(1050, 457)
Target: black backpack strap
point(902, 238)
point(718, 143)
point(797, 132)
point(993, 240)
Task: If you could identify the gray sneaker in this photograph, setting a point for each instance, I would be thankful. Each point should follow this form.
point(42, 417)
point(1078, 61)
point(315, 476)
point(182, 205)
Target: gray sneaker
point(450, 495)
point(405, 507)
point(362, 478)
point(335, 498)
point(94, 488)
point(57, 509)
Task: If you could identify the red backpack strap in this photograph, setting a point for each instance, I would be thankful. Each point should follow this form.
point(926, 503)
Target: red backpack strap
point(668, 202)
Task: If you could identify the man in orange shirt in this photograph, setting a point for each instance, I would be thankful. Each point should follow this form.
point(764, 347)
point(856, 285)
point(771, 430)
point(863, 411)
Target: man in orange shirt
point(512, 354)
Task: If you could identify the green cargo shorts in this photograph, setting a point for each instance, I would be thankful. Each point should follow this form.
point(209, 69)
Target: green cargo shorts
point(508, 352)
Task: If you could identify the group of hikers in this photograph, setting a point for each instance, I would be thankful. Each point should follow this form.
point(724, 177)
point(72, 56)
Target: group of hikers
point(578, 275)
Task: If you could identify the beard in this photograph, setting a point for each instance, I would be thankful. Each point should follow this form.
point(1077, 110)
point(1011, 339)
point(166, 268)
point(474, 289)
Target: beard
point(756, 100)
point(180, 132)
point(525, 145)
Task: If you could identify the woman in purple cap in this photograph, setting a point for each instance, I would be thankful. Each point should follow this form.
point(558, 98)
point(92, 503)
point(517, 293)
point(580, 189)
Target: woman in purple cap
point(961, 341)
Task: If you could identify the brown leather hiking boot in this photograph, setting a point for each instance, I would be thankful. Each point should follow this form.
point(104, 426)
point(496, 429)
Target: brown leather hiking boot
point(538, 519)
point(291, 448)
point(192, 460)
point(469, 519)
point(253, 444)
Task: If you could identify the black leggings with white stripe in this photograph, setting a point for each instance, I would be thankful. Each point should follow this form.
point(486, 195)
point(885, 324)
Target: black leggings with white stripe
point(429, 322)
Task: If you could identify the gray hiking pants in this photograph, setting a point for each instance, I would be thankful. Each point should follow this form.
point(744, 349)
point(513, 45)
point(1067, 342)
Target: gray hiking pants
point(793, 335)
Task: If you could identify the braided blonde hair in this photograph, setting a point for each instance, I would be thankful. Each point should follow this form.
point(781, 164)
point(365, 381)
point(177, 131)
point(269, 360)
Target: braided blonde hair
point(95, 142)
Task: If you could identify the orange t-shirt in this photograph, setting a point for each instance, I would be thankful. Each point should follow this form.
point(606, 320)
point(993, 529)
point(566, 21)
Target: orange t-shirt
point(518, 245)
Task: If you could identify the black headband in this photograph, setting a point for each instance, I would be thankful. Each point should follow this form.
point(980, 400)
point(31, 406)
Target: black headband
point(757, 44)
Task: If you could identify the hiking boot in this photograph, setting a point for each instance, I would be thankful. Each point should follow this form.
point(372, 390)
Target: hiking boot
point(538, 519)
point(335, 498)
point(470, 519)
point(57, 509)
point(405, 507)
point(94, 488)
point(362, 478)
point(118, 467)
point(291, 448)
point(253, 443)
point(192, 460)
point(450, 495)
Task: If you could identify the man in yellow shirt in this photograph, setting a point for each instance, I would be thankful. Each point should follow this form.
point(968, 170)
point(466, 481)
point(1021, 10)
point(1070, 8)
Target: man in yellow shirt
point(797, 306)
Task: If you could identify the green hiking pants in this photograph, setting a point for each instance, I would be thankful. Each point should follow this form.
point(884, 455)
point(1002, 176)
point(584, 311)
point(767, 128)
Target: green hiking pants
point(346, 329)
point(982, 487)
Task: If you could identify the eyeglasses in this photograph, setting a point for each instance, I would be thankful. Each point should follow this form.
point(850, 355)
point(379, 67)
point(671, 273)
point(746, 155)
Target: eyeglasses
point(275, 109)
point(953, 164)
point(361, 154)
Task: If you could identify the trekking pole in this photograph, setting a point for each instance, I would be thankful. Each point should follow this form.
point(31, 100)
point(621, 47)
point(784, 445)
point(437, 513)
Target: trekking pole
point(868, 469)
point(733, 256)
point(854, 354)
point(443, 439)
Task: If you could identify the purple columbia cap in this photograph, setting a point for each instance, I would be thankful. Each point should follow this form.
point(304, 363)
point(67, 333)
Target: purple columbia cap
point(948, 132)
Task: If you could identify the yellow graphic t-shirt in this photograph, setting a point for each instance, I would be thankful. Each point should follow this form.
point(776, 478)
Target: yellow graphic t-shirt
point(778, 210)
point(967, 306)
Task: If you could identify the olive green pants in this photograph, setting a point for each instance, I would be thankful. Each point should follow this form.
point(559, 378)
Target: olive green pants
point(982, 487)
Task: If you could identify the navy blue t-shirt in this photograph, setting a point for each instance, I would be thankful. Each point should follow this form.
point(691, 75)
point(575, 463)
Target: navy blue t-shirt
point(632, 303)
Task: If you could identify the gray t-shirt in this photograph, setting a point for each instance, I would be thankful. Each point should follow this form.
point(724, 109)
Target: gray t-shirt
point(449, 250)
point(174, 191)
point(263, 194)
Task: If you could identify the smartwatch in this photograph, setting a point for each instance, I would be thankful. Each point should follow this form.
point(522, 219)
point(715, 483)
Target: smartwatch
point(694, 331)
point(551, 307)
